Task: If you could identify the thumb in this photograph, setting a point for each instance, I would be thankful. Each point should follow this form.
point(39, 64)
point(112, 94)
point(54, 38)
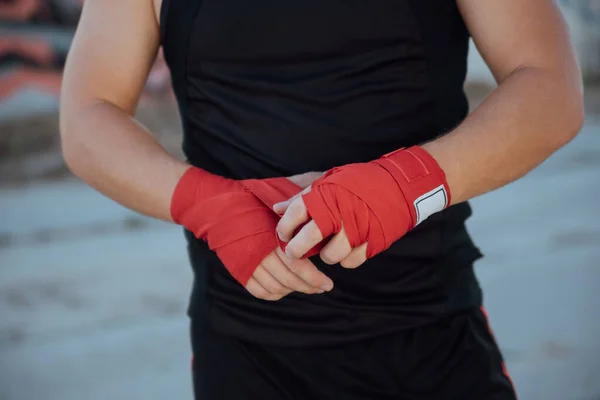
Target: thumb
point(306, 179)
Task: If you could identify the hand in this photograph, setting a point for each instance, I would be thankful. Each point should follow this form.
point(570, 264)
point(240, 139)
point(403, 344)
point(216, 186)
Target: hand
point(236, 219)
point(337, 250)
point(278, 275)
point(363, 207)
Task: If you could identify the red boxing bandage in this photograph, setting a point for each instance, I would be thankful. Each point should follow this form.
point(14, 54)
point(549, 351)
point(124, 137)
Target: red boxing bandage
point(379, 201)
point(235, 218)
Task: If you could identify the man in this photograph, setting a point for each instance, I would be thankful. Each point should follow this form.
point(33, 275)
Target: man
point(364, 287)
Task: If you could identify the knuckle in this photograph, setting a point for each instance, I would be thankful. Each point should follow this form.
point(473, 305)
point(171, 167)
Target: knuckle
point(297, 209)
point(263, 294)
point(269, 259)
point(288, 262)
point(329, 257)
point(286, 282)
point(274, 288)
point(315, 234)
point(327, 260)
point(275, 297)
point(293, 267)
point(260, 294)
point(293, 251)
point(304, 289)
point(349, 264)
point(305, 270)
point(282, 225)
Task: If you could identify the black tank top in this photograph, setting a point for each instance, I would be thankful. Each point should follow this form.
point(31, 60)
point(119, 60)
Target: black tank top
point(280, 87)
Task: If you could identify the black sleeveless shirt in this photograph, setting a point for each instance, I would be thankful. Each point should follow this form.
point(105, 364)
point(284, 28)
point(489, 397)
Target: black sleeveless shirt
point(279, 87)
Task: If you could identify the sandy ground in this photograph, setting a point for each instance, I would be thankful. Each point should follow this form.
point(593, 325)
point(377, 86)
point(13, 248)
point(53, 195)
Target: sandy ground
point(93, 297)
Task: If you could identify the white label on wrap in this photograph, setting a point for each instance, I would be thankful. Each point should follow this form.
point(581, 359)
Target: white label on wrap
point(431, 202)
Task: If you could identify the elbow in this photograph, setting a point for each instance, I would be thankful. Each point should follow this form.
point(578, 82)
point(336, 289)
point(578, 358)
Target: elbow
point(72, 147)
point(571, 117)
point(68, 152)
point(574, 122)
point(72, 161)
point(563, 113)
point(68, 143)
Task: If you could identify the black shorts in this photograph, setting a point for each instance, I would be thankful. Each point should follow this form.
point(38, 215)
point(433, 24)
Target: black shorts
point(454, 359)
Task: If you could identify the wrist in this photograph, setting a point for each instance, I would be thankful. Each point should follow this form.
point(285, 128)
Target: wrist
point(421, 179)
point(195, 185)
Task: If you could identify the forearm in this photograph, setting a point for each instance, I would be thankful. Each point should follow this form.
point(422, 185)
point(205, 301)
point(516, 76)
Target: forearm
point(117, 156)
point(530, 115)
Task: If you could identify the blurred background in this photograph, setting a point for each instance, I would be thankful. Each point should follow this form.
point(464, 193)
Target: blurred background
point(76, 322)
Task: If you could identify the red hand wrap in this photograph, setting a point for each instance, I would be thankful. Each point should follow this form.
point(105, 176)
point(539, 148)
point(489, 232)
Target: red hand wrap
point(379, 201)
point(235, 218)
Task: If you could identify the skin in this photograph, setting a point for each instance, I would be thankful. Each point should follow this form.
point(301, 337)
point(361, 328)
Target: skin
point(108, 64)
point(536, 109)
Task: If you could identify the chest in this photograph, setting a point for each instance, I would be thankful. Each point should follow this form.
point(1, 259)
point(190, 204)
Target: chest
point(242, 29)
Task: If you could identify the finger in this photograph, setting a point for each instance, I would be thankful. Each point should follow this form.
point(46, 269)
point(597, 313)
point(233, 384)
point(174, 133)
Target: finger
point(256, 290)
point(295, 215)
point(280, 208)
point(264, 277)
point(307, 271)
point(357, 257)
point(306, 179)
point(278, 270)
point(337, 249)
point(306, 238)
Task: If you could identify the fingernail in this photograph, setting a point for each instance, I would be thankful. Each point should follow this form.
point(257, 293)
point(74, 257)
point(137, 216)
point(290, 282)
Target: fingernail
point(327, 287)
point(278, 207)
point(320, 291)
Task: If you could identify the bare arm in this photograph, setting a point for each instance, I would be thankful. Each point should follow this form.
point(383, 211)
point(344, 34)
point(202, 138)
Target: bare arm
point(112, 53)
point(536, 109)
